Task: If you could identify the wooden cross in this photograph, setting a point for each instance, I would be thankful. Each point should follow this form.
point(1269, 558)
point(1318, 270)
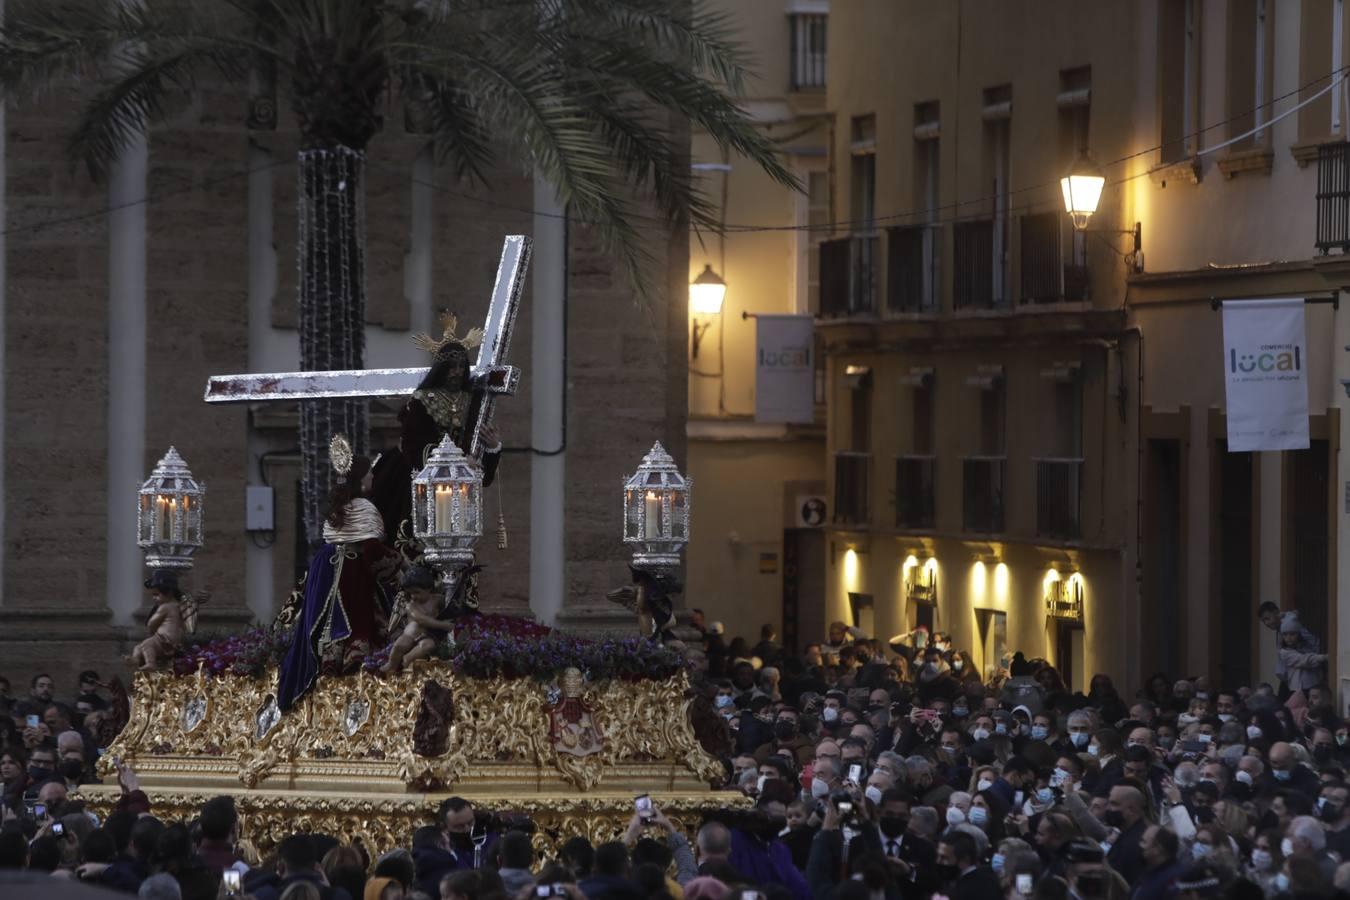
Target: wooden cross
point(489, 373)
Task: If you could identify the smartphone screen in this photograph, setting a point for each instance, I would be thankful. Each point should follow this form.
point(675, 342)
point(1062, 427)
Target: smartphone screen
point(543, 890)
point(33, 721)
point(58, 829)
point(1024, 884)
point(40, 811)
point(230, 879)
point(854, 773)
point(643, 804)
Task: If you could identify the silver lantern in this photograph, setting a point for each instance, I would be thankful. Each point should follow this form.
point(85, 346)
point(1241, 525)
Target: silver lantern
point(169, 514)
point(656, 511)
point(447, 509)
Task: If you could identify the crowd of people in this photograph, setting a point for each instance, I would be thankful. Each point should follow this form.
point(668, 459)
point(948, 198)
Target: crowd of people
point(866, 769)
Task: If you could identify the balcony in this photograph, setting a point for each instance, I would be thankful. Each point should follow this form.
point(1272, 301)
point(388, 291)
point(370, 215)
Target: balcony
point(1045, 277)
point(848, 276)
point(1333, 197)
point(982, 479)
point(850, 487)
point(915, 479)
point(912, 274)
point(808, 51)
point(1058, 498)
point(977, 278)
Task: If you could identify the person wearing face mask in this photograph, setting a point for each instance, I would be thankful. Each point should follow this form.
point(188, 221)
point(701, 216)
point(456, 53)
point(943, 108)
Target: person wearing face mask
point(1080, 725)
point(1125, 813)
point(1016, 782)
point(1288, 772)
point(787, 736)
point(1265, 861)
point(825, 777)
point(1106, 746)
point(909, 858)
point(1334, 811)
point(469, 841)
point(1306, 839)
point(958, 868)
point(1043, 728)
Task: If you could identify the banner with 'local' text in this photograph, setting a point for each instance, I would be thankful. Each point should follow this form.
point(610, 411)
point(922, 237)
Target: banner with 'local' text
point(784, 369)
point(1265, 362)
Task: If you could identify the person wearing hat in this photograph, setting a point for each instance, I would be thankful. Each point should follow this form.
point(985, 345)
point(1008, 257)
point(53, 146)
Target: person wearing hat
point(422, 632)
point(166, 623)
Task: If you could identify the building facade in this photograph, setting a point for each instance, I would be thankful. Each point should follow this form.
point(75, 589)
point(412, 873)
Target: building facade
point(1026, 422)
point(754, 558)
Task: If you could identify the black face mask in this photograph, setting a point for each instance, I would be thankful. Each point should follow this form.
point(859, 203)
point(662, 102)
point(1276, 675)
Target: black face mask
point(38, 773)
point(1268, 820)
point(1115, 819)
point(1091, 885)
point(893, 826)
point(776, 825)
point(72, 769)
point(1204, 815)
point(1330, 812)
point(1322, 753)
point(460, 841)
point(784, 730)
point(946, 871)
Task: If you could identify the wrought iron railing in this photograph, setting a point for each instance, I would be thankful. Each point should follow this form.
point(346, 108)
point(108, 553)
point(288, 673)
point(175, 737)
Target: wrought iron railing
point(1046, 277)
point(982, 481)
point(850, 487)
point(1333, 197)
point(848, 276)
point(973, 265)
point(913, 253)
point(1059, 498)
point(915, 501)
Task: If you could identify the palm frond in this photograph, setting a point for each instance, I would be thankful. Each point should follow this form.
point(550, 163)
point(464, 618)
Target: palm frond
point(123, 107)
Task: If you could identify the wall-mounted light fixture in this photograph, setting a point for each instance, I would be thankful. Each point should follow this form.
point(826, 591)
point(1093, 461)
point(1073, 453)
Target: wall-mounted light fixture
point(706, 293)
point(1082, 188)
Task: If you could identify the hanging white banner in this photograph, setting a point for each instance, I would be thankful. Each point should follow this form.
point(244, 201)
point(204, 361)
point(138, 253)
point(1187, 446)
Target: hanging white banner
point(1265, 363)
point(784, 369)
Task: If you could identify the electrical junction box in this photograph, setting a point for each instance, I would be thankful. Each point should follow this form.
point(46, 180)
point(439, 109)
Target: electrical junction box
point(259, 508)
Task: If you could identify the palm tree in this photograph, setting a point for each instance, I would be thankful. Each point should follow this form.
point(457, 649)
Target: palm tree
point(579, 91)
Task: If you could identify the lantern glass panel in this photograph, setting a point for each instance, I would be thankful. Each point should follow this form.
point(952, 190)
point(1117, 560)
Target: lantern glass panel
point(677, 512)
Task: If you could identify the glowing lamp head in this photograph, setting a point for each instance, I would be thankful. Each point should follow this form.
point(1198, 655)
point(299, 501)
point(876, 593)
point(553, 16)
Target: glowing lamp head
point(706, 293)
point(1082, 188)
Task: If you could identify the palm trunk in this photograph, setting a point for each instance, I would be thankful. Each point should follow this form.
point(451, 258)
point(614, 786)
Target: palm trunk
point(332, 263)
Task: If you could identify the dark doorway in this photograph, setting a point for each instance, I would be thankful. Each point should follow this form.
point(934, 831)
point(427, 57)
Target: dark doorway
point(1307, 530)
point(1162, 610)
point(1069, 654)
point(803, 587)
point(1235, 566)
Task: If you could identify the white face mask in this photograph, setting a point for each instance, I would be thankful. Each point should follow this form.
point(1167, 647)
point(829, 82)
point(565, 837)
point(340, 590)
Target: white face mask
point(1287, 847)
point(1254, 732)
point(983, 784)
point(819, 788)
point(873, 793)
point(955, 816)
point(1244, 777)
point(829, 714)
point(1094, 750)
point(724, 700)
point(1059, 778)
point(978, 816)
point(1200, 851)
point(980, 734)
point(1262, 860)
point(1080, 739)
point(1204, 738)
point(1226, 717)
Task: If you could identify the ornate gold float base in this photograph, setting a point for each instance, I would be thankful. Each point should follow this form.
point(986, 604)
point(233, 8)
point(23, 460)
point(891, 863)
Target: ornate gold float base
point(371, 758)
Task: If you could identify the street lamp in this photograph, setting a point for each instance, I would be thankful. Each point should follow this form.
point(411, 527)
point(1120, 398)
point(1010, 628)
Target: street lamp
point(169, 514)
point(656, 511)
point(706, 293)
point(1082, 189)
point(447, 510)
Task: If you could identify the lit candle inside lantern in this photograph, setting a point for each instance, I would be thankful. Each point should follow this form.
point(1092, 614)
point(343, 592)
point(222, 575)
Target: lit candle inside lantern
point(162, 517)
point(651, 515)
point(444, 516)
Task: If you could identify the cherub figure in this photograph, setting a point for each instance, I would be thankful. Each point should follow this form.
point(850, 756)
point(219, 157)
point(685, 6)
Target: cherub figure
point(174, 616)
point(423, 610)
